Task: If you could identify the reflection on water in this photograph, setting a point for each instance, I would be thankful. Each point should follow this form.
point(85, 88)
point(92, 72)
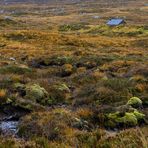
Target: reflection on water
point(9, 127)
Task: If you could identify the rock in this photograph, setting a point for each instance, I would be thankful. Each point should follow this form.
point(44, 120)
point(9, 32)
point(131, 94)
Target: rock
point(96, 17)
point(8, 18)
point(134, 102)
point(12, 59)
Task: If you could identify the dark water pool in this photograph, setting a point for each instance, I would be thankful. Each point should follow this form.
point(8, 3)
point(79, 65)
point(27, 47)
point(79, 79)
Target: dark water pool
point(9, 127)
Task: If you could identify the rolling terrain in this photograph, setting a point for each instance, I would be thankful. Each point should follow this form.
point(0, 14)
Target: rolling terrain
point(68, 80)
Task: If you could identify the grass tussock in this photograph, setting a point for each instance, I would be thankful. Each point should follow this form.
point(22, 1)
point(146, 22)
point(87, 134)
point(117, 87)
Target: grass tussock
point(69, 79)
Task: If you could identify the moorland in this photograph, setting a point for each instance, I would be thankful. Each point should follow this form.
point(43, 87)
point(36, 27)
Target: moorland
point(68, 80)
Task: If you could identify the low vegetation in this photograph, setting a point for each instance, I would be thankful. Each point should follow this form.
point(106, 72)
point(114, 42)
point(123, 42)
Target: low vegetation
point(69, 80)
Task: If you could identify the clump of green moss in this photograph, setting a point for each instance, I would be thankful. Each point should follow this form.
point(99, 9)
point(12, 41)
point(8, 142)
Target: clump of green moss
point(126, 115)
point(127, 119)
point(32, 92)
point(36, 93)
point(134, 102)
point(60, 93)
point(138, 115)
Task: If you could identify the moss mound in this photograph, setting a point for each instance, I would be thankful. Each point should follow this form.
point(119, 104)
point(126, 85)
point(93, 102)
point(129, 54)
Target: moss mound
point(36, 93)
point(127, 119)
point(60, 93)
point(134, 102)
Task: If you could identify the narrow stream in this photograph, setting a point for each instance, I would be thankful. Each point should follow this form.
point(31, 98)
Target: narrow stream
point(9, 127)
point(9, 119)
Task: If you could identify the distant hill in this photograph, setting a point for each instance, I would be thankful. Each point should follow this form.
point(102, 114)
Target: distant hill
point(54, 1)
point(23, 1)
point(36, 1)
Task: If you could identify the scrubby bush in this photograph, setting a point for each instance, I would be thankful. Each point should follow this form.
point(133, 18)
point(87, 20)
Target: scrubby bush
point(67, 70)
point(132, 137)
point(51, 61)
point(72, 27)
point(89, 139)
point(81, 70)
point(118, 30)
point(4, 97)
point(2, 93)
point(138, 78)
point(140, 88)
point(103, 90)
point(60, 126)
point(51, 125)
point(20, 88)
point(7, 22)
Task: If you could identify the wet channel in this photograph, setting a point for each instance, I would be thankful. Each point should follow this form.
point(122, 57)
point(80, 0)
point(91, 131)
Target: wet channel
point(9, 127)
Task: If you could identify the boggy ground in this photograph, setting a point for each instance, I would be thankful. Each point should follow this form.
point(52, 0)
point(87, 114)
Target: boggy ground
point(71, 81)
